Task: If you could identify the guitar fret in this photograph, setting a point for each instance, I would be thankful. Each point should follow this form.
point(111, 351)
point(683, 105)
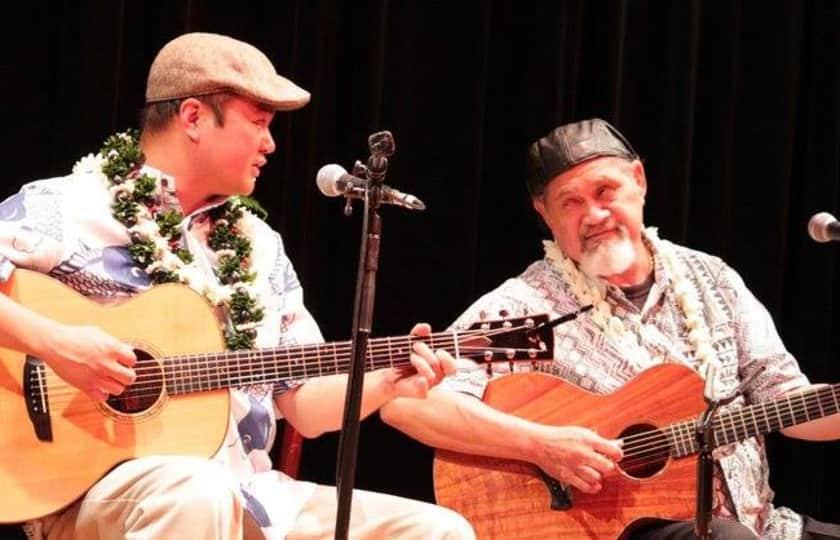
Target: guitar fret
point(390, 353)
point(335, 358)
point(689, 439)
point(766, 418)
point(262, 365)
point(778, 415)
point(790, 407)
point(805, 406)
point(198, 378)
point(834, 397)
point(675, 439)
point(755, 422)
point(217, 368)
point(725, 432)
point(734, 429)
point(318, 359)
point(819, 404)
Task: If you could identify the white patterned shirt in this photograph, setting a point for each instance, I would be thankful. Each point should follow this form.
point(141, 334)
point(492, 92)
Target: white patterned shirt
point(63, 227)
point(743, 336)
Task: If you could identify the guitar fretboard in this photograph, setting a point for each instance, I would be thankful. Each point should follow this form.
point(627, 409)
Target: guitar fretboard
point(214, 371)
point(761, 418)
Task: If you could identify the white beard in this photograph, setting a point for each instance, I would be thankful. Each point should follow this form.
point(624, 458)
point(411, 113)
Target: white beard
point(609, 258)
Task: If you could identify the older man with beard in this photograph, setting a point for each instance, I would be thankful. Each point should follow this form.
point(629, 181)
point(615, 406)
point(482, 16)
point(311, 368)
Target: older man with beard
point(654, 302)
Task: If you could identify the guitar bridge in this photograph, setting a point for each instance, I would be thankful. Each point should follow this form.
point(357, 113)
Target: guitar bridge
point(37, 398)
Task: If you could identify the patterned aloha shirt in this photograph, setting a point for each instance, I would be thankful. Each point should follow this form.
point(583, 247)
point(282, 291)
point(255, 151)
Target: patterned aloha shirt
point(743, 336)
point(63, 227)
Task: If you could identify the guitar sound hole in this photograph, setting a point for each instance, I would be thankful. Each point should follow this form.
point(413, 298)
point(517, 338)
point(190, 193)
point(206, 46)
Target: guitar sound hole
point(646, 451)
point(146, 389)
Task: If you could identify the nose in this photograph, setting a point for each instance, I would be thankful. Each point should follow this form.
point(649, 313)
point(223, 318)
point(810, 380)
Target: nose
point(595, 214)
point(268, 145)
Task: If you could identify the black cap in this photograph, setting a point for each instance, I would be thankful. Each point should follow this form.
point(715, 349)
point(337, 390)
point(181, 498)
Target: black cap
point(571, 144)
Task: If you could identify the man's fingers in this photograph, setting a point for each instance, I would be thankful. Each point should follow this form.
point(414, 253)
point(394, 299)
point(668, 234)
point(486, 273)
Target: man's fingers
point(421, 329)
point(573, 479)
point(445, 362)
point(123, 375)
point(421, 361)
point(601, 463)
point(588, 474)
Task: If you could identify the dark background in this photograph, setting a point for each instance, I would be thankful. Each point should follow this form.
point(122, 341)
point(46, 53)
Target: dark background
point(733, 105)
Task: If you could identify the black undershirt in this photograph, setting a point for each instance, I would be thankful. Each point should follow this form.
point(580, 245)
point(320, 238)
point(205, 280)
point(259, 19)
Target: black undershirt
point(637, 294)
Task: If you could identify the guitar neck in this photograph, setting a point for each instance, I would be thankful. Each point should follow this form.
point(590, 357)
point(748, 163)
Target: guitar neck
point(759, 419)
point(214, 371)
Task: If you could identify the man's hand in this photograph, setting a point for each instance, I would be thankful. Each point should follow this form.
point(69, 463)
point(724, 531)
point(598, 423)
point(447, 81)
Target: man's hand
point(431, 368)
point(577, 456)
point(91, 360)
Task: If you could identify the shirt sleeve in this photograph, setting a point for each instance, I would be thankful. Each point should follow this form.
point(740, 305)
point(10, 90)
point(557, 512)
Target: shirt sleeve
point(761, 352)
point(31, 231)
point(509, 300)
point(295, 323)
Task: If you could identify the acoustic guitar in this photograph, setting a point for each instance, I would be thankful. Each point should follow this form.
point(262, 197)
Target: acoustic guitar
point(55, 442)
point(654, 415)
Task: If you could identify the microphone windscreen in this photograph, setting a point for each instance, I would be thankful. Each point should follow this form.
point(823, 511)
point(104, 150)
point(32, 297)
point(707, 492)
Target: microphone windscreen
point(327, 179)
point(818, 226)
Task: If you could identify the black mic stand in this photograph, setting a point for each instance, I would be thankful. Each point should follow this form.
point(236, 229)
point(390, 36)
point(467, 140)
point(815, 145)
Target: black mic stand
point(704, 434)
point(381, 146)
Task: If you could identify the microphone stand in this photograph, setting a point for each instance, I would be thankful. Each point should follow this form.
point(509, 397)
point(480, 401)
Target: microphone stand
point(704, 434)
point(381, 146)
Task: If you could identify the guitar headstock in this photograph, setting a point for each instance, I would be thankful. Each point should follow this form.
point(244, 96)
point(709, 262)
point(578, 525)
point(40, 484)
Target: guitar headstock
point(506, 340)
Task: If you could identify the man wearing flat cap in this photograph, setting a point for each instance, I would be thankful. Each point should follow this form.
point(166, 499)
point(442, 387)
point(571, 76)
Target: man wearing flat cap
point(653, 303)
point(168, 205)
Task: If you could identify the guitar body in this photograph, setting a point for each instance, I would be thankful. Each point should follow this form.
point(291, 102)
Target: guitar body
point(509, 499)
point(89, 438)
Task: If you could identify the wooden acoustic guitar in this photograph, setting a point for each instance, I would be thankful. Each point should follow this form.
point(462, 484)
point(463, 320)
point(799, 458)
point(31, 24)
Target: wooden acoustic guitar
point(55, 442)
point(655, 416)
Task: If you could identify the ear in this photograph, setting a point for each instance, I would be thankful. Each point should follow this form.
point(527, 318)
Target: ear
point(639, 176)
point(539, 206)
point(189, 117)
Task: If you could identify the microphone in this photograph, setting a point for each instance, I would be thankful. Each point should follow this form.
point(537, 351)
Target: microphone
point(824, 227)
point(333, 181)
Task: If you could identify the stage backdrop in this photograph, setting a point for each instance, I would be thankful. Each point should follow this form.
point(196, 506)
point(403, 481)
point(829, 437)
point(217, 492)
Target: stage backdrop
point(733, 105)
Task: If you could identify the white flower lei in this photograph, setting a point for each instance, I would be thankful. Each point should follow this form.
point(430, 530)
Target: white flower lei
point(589, 290)
point(136, 203)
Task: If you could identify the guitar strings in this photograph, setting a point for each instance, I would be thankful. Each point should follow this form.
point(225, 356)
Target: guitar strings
point(209, 368)
point(816, 403)
point(651, 442)
point(639, 447)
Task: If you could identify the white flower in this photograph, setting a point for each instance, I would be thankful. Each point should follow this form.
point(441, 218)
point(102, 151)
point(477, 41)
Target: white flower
point(161, 246)
point(225, 253)
point(245, 225)
point(220, 295)
point(91, 163)
point(146, 228)
point(171, 262)
point(191, 275)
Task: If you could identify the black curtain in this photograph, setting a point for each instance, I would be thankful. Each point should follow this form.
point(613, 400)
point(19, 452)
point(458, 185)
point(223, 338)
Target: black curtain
point(733, 105)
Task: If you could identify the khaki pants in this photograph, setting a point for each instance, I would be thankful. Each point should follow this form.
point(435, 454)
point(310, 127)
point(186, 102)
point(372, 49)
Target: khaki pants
point(182, 497)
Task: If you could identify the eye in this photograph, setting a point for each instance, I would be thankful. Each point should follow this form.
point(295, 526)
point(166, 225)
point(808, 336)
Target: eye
point(606, 192)
point(571, 202)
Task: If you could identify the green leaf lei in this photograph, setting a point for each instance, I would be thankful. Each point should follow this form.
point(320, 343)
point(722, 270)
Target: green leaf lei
point(155, 234)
